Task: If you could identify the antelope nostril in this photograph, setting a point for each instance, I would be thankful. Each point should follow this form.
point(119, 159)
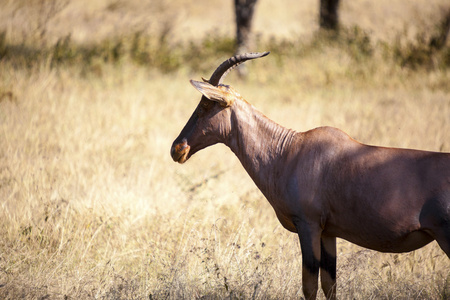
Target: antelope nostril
point(179, 147)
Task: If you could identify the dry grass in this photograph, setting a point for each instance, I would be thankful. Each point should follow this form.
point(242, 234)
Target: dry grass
point(91, 205)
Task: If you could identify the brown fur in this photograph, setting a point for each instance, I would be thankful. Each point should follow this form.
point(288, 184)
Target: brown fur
point(323, 184)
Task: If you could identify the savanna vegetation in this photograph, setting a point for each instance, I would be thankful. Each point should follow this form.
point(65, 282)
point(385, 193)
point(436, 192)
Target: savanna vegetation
point(92, 94)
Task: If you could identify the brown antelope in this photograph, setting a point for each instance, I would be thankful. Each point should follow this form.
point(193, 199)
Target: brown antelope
point(323, 184)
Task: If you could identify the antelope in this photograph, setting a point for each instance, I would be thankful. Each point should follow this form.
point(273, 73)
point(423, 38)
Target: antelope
point(323, 184)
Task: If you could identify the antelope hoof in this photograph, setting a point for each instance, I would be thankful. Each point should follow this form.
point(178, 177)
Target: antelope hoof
point(180, 152)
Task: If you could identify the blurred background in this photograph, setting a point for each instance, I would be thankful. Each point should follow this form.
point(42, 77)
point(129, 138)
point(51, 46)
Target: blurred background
point(92, 94)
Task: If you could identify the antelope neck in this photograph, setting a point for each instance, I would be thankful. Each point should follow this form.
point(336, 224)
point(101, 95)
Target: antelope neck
point(259, 143)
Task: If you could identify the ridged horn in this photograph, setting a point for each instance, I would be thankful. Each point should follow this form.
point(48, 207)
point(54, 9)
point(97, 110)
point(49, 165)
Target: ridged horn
point(228, 65)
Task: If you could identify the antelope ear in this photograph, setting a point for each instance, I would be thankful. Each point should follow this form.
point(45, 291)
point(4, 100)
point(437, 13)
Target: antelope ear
point(213, 93)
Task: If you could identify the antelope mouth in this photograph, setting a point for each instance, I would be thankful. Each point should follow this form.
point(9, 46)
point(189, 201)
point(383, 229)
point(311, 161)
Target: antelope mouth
point(180, 152)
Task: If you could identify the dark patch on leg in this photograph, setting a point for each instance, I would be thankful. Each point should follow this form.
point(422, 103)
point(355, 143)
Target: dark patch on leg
point(310, 263)
point(310, 275)
point(327, 262)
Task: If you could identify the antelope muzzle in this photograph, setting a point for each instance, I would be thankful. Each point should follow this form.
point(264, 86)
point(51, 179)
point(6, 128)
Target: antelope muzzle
point(180, 151)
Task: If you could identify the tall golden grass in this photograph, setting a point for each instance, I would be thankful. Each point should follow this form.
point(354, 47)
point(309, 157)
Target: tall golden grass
point(91, 205)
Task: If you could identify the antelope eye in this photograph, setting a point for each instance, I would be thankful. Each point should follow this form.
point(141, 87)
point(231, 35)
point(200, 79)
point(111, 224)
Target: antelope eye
point(205, 105)
point(203, 108)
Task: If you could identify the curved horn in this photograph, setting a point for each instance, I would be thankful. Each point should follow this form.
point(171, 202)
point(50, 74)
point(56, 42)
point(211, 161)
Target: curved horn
point(222, 71)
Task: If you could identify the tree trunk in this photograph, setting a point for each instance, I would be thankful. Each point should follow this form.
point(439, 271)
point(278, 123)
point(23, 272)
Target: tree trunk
point(329, 17)
point(244, 15)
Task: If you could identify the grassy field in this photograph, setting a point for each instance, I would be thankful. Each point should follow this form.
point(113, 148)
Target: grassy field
point(92, 94)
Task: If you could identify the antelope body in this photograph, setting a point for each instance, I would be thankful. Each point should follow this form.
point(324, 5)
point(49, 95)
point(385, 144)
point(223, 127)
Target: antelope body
point(323, 184)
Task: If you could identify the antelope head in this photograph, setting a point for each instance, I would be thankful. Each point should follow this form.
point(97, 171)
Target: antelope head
point(211, 121)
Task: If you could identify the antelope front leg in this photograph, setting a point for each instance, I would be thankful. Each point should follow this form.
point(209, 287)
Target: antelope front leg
point(328, 266)
point(310, 245)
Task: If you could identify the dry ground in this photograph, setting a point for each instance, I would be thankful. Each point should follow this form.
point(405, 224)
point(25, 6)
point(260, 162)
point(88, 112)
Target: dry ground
point(91, 205)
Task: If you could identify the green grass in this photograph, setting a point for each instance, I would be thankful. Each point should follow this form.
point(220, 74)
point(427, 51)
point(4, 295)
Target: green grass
point(166, 55)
